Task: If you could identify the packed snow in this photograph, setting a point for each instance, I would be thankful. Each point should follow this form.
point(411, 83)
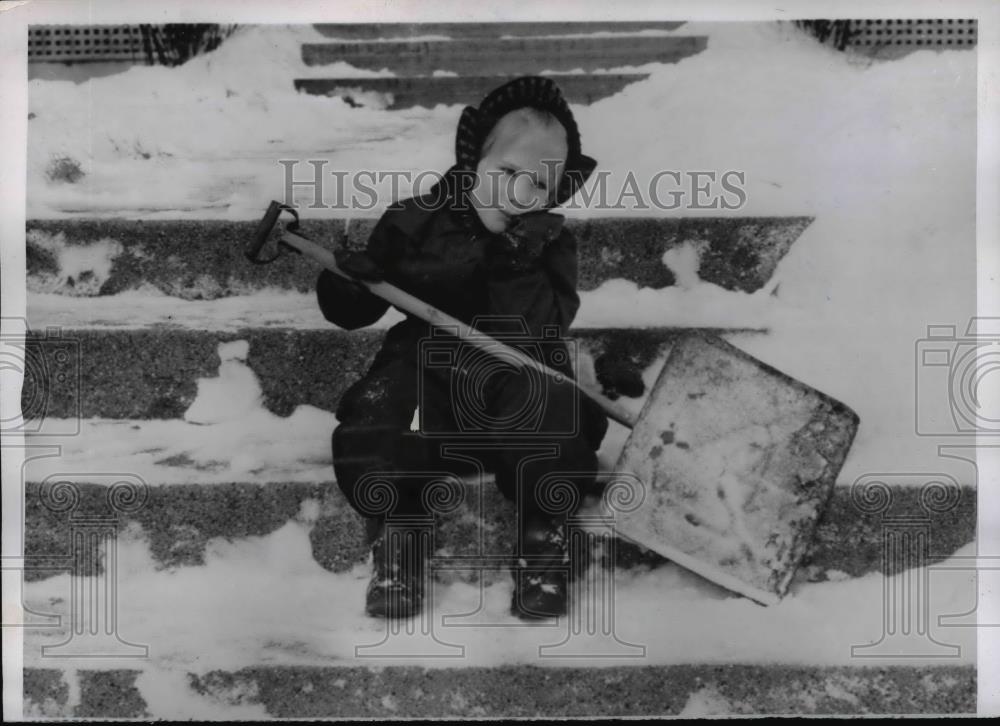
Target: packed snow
point(146, 308)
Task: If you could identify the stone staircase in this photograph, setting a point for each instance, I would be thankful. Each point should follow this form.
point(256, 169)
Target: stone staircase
point(126, 514)
point(185, 567)
point(449, 63)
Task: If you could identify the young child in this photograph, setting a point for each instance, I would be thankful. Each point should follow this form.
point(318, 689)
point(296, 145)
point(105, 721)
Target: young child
point(483, 247)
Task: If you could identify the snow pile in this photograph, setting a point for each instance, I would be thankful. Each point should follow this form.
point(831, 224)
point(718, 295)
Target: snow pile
point(168, 694)
point(74, 270)
point(706, 701)
point(226, 435)
point(689, 302)
point(147, 133)
point(234, 393)
point(892, 188)
point(815, 130)
point(810, 127)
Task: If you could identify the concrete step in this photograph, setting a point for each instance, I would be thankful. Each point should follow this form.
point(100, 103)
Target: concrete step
point(510, 56)
point(256, 628)
point(376, 31)
point(205, 259)
point(274, 691)
point(153, 373)
point(431, 91)
point(259, 606)
point(177, 521)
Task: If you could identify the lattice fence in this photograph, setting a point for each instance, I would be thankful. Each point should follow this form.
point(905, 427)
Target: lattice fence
point(85, 43)
point(936, 33)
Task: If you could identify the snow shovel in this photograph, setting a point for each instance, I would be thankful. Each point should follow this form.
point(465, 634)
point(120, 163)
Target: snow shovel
point(736, 461)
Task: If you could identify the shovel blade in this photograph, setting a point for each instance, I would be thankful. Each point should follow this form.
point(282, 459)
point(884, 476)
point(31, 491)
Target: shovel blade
point(737, 461)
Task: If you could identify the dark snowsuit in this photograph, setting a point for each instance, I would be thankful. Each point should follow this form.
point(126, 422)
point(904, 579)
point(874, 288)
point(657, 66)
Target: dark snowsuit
point(446, 257)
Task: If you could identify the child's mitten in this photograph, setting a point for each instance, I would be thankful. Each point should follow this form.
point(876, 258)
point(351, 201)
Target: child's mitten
point(619, 377)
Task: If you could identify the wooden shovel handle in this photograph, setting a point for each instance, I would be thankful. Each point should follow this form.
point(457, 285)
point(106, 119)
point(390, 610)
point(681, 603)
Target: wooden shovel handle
point(405, 301)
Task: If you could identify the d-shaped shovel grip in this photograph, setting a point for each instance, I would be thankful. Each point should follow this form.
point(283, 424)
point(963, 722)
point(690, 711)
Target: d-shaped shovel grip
point(263, 233)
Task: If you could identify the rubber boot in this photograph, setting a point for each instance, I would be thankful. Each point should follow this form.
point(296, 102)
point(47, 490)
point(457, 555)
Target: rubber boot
point(541, 572)
point(399, 562)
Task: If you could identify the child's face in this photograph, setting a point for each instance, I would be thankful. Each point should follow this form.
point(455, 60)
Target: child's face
point(519, 170)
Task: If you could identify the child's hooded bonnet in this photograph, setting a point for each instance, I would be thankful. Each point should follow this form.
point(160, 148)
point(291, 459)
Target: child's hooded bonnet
point(537, 92)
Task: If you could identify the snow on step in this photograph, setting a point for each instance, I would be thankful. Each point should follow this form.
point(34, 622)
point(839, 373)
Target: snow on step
point(688, 302)
point(395, 94)
point(265, 599)
point(178, 520)
point(152, 373)
point(226, 438)
point(253, 445)
point(224, 435)
point(203, 259)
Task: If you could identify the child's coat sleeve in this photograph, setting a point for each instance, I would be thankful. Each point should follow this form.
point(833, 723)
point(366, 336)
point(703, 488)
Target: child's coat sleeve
point(543, 295)
point(349, 305)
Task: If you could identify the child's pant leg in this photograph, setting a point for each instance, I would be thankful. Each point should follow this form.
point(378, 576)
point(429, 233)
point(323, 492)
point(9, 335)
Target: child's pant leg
point(375, 415)
point(569, 422)
point(374, 434)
